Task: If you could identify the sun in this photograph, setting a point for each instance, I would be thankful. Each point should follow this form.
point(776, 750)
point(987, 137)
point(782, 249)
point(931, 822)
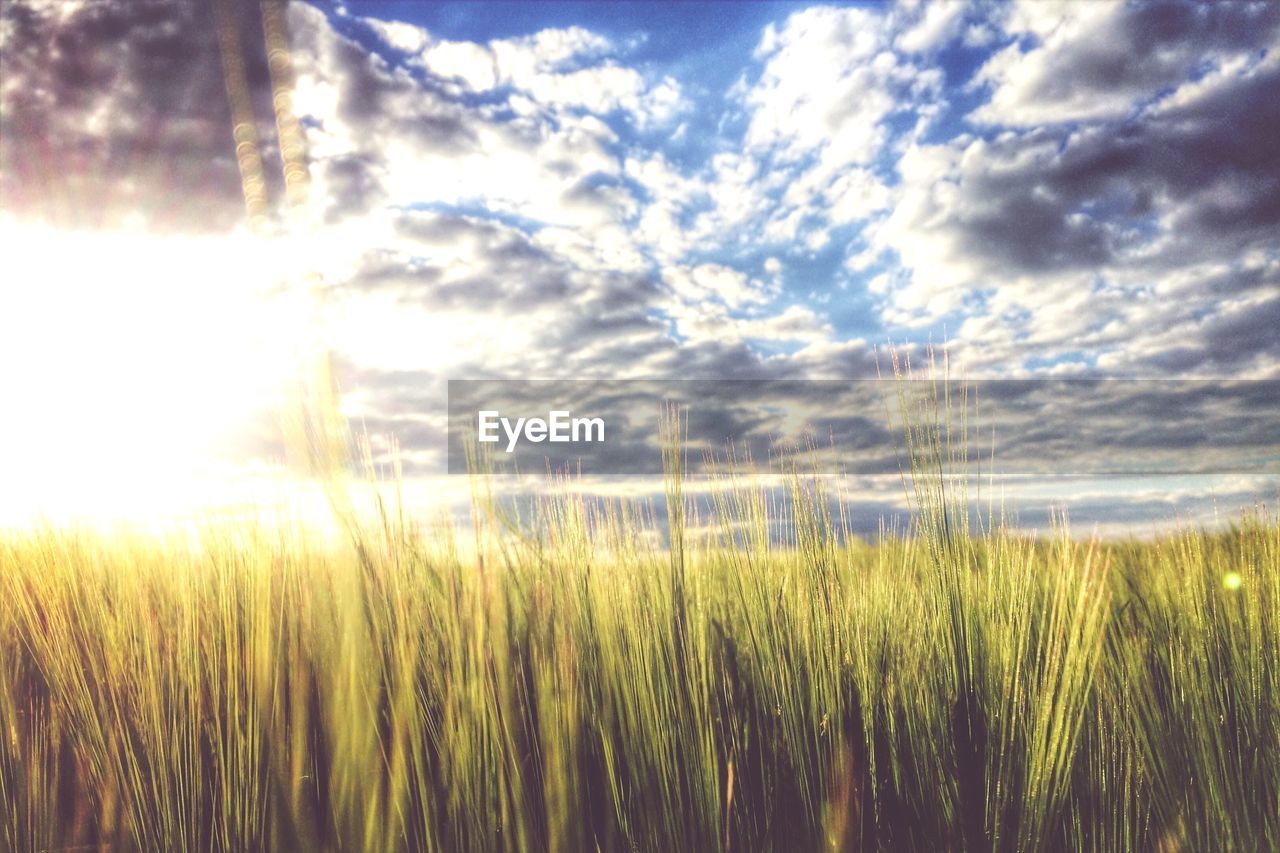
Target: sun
point(138, 371)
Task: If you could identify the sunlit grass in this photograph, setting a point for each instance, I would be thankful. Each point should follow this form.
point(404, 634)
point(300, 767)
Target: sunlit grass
point(566, 681)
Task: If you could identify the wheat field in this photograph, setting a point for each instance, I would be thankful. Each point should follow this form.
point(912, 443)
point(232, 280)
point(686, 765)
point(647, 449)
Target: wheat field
point(584, 678)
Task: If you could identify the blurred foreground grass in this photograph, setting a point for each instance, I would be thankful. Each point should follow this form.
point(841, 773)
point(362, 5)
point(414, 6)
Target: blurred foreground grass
point(574, 685)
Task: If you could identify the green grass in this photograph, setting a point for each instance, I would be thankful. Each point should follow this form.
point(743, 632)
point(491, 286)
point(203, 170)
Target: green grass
point(571, 683)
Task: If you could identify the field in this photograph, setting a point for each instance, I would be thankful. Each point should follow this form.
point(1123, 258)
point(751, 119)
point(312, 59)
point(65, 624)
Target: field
point(570, 682)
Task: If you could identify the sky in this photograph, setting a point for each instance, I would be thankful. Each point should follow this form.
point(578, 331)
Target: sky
point(609, 191)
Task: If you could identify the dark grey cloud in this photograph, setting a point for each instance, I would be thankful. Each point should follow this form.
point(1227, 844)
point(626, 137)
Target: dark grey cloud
point(118, 111)
point(1211, 163)
point(1210, 167)
point(1140, 235)
point(1244, 332)
point(505, 270)
point(352, 185)
point(375, 96)
point(1115, 56)
point(1222, 341)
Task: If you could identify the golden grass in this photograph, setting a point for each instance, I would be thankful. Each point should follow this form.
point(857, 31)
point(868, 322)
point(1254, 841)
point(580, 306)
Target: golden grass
point(568, 684)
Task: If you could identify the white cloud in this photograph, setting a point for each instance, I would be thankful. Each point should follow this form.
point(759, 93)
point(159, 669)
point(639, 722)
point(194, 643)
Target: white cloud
point(940, 22)
point(474, 64)
point(845, 48)
point(400, 35)
point(796, 323)
point(420, 146)
point(812, 155)
point(716, 282)
point(558, 69)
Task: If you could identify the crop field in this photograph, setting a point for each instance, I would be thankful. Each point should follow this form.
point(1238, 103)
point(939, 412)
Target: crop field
point(478, 426)
point(582, 680)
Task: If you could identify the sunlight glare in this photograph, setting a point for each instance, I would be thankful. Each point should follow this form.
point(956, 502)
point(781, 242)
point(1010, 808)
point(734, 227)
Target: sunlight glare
point(137, 369)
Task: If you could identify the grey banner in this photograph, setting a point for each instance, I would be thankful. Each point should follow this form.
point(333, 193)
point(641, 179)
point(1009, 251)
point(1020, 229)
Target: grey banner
point(1033, 427)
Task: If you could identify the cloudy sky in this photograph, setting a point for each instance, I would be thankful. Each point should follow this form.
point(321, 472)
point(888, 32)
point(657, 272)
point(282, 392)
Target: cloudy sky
point(589, 190)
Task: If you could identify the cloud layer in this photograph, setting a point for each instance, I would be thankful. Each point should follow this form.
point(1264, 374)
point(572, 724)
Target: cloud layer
point(1082, 189)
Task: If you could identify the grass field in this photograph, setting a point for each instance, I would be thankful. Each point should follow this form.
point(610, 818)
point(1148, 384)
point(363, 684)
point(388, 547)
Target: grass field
point(575, 684)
